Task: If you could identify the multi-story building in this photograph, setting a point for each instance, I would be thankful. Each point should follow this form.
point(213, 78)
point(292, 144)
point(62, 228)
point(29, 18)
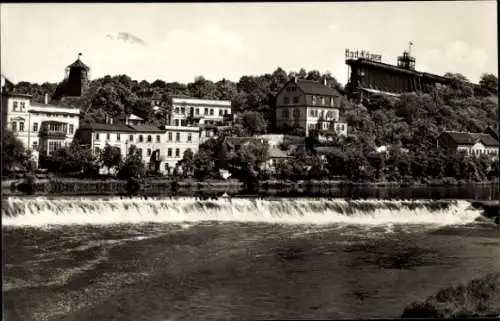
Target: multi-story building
point(168, 143)
point(309, 105)
point(42, 128)
point(206, 114)
point(473, 144)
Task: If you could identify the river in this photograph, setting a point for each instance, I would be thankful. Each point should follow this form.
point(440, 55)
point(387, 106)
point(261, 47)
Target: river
point(82, 258)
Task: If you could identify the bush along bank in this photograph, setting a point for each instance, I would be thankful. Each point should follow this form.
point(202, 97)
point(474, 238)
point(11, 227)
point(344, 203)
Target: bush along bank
point(479, 298)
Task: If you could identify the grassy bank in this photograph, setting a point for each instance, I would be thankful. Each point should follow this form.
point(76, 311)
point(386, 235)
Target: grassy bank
point(479, 298)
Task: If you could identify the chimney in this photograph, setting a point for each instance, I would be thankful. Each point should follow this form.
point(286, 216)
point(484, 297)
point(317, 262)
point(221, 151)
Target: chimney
point(111, 120)
point(324, 80)
point(46, 99)
point(126, 119)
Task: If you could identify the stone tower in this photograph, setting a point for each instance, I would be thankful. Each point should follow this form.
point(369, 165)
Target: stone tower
point(76, 81)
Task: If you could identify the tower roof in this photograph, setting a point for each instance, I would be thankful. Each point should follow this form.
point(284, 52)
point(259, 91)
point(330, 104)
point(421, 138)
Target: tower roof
point(79, 64)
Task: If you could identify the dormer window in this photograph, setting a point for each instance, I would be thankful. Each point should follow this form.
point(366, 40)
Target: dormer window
point(296, 100)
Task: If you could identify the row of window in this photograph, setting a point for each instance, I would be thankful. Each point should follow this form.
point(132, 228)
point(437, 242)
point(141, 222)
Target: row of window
point(478, 152)
point(326, 125)
point(19, 126)
point(53, 146)
point(316, 100)
point(149, 138)
point(149, 151)
point(18, 106)
point(196, 111)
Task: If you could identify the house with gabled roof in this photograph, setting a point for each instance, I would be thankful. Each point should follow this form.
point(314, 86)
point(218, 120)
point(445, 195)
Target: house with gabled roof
point(310, 106)
point(473, 144)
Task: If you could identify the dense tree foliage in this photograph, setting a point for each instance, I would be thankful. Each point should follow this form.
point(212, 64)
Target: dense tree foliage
point(13, 153)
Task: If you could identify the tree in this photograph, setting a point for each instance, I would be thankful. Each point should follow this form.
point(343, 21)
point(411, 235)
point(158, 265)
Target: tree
point(111, 156)
point(253, 122)
point(13, 152)
point(187, 162)
point(489, 83)
point(133, 166)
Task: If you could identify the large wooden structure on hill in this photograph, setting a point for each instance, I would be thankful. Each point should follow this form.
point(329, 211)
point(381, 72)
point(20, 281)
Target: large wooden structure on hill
point(369, 75)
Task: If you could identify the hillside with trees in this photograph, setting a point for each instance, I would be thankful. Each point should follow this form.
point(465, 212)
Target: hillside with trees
point(409, 125)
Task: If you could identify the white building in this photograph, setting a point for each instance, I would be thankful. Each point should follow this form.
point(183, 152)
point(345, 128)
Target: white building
point(169, 142)
point(309, 105)
point(473, 144)
point(40, 127)
point(201, 111)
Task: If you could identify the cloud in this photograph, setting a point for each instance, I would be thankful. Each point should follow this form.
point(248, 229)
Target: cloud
point(209, 37)
point(333, 28)
point(457, 56)
point(127, 37)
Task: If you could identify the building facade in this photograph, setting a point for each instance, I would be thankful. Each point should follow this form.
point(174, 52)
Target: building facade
point(42, 128)
point(309, 105)
point(167, 142)
point(473, 144)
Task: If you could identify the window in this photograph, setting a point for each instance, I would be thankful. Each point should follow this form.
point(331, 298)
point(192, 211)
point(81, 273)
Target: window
point(183, 110)
point(108, 136)
point(206, 111)
point(96, 136)
point(71, 128)
point(149, 152)
point(322, 100)
point(35, 127)
point(183, 122)
point(221, 112)
point(207, 133)
point(139, 151)
point(21, 126)
point(296, 100)
point(14, 106)
point(158, 138)
point(226, 112)
point(170, 136)
point(177, 110)
point(131, 138)
point(211, 111)
point(285, 113)
point(149, 139)
point(311, 113)
point(286, 100)
point(189, 137)
point(169, 152)
point(177, 137)
point(23, 105)
point(197, 111)
point(141, 139)
point(166, 166)
point(176, 122)
point(177, 152)
point(118, 137)
point(35, 145)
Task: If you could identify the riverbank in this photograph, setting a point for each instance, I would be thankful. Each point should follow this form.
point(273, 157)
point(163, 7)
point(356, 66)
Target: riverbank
point(215, 188)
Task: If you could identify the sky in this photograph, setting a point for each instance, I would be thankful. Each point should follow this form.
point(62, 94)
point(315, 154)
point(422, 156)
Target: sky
point(179, 41)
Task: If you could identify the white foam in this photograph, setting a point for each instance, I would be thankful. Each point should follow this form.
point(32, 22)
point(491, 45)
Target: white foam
point(41, 211)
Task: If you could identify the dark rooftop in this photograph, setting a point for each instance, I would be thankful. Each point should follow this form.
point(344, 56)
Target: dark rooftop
point(79, 64)
point(464, 138)
point(316, 88)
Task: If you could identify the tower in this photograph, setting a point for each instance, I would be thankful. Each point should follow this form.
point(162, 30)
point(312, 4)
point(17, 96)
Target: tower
point(77, 79)
point(406, 61)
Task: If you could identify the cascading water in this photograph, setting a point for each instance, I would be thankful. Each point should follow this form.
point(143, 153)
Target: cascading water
point(81, 211)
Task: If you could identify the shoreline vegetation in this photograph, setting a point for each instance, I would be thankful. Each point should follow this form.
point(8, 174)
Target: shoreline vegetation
point(479, 298)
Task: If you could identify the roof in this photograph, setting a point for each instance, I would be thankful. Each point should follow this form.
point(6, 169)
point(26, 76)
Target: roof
point(316, 88)
point(79, 64)
point(146, 128)
point(35, 104)
point(107, 127)
point(15, 94)
point(277, 153)
point(493, 130)
point(464, 138)
point(242, 140)
point(130, 117)
point(327, 149)
point(486, 139)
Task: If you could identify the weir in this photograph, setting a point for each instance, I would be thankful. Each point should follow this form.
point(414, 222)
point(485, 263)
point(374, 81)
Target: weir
point(41, 211)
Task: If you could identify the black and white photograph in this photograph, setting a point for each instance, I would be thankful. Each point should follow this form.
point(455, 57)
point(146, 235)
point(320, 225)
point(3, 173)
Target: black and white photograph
point(250, 161)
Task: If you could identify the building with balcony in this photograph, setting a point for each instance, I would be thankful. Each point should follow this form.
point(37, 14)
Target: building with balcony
point(40, 127)
point(310, 106)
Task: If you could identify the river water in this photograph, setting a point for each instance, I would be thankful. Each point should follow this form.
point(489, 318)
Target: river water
point(184, 259)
